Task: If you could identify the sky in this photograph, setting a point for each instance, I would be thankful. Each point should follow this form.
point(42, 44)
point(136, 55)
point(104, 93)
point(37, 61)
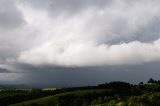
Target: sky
point(79, 42)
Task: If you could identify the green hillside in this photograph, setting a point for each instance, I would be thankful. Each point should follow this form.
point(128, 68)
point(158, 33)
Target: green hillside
point(67, 98)
point(108, 94)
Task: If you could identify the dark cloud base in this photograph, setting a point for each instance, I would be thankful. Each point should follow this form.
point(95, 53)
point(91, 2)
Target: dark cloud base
point(3, 70)
point(62, 77)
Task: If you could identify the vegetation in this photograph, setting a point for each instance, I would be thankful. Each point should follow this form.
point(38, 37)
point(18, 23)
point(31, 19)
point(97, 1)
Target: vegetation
point(108, 94)
point(11, 96)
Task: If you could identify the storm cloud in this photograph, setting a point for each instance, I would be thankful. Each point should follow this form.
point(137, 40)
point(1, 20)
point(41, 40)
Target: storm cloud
point(10, 16)
point(83, 35)
point(93, 34)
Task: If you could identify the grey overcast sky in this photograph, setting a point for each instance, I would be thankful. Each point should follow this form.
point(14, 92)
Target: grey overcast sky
point(79, 42)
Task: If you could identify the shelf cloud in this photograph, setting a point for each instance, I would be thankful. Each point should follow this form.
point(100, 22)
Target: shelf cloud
point(90, 33)
point(92, 55)
point(79, 34)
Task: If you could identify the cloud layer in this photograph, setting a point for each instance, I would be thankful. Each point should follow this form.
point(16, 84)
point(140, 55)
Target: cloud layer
point(79, 34)
point(92, 34)
point(82, 54)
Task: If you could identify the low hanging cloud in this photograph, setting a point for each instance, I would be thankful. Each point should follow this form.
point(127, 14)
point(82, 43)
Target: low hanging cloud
point(79, 33)
point(92, 55)
point(64, 40)
point(117, 33)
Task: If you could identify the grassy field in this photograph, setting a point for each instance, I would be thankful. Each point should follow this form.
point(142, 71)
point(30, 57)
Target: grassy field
point(12, 95)
point(33, 101)
point(108, 94)
point(50, 89)
point(53, 99)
